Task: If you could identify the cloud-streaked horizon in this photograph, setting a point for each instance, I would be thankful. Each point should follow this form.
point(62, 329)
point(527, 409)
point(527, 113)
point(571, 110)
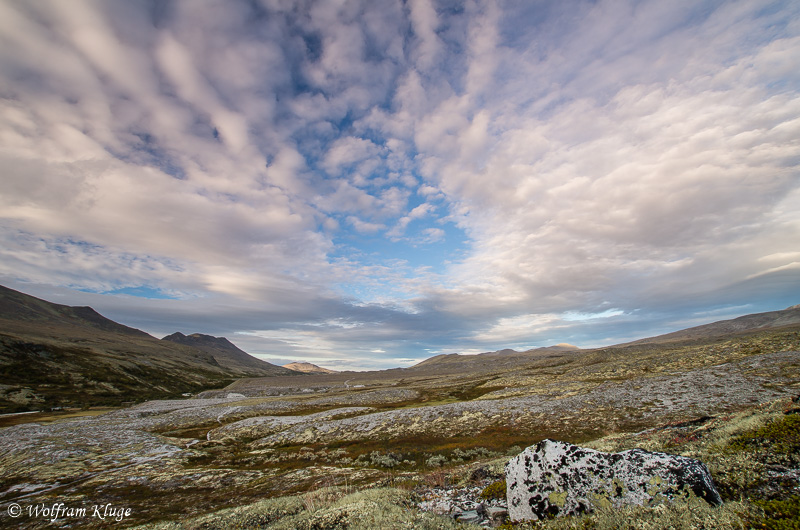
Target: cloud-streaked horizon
point(361, 184)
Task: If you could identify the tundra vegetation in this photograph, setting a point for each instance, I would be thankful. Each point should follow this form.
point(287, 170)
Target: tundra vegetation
point(364, 450)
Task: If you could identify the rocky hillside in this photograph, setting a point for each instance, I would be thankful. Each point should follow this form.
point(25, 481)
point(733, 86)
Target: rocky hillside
point(19, 311)
point(53, 355)
point(744, 324)
point(228, 356)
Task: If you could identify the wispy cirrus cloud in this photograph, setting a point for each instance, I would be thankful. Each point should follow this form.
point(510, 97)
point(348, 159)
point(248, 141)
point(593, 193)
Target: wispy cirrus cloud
point(373, 180)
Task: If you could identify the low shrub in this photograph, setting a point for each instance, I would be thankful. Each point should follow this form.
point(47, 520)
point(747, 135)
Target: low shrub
point(495, 490)
point(436, 461)
point(780, 436)
point(778, 514)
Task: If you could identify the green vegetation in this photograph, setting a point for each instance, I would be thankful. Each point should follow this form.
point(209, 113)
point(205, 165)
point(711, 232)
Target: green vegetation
point(778, 514)
point(752, 499)
point(780, 436)
point(495, 490)
point(329, 509)
point(683, 514)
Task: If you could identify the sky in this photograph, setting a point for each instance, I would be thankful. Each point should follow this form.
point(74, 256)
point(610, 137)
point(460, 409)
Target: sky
point(366, 184)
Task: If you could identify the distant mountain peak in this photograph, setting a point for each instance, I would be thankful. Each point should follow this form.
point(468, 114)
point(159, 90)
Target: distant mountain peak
point(308, 368)
point(226, 353)
point(195, 338)
point(210, 339)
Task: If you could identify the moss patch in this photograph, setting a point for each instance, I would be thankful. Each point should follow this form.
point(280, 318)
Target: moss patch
point(778, 514)
point(495, 490)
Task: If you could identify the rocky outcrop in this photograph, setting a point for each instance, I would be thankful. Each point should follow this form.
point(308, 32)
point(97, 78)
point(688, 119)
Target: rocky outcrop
point(555, 478)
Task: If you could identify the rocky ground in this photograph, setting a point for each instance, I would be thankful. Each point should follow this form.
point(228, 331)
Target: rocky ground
point(754, 456)
point(177, 459)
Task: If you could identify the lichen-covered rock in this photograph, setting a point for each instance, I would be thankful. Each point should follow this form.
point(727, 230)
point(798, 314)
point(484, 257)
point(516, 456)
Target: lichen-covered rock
point(555, 478)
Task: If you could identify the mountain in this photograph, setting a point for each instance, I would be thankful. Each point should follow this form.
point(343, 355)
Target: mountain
point(482, 362)
point(21, 311)
point(308, 368)
point(56, 355)
point(562, 347)
point(744, 324)
point(228, 355)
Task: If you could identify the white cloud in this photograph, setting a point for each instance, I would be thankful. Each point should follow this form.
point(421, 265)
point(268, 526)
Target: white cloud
point(637, 156)
point(432, 235)
point(348, 151)
point(608, 195)
point(418, 212)
point(514, 329)
point(425, 22)
point(364, 227)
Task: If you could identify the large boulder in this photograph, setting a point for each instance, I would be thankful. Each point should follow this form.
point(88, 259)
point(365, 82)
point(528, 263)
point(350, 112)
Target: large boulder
point(555, 478)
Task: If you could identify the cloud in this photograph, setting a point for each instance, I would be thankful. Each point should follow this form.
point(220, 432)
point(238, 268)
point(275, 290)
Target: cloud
point(363, 227)
point(418, 212)
point(425, 22)
point(346, 152)
point(638, 184)
point(435, 177)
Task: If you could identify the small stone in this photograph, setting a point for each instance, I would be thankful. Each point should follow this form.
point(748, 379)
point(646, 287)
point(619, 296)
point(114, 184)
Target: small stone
point(470, 505)
point(468, 517)
point(496, 516)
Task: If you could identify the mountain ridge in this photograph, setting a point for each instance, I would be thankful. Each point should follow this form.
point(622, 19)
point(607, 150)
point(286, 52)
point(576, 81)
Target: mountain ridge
point(31, 309)
point(227, 354)
point(54, 355)
point(745, 324)
point(742, 324)
point(451, 359)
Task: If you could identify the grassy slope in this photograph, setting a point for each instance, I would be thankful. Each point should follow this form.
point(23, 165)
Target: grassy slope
point(55, 355)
